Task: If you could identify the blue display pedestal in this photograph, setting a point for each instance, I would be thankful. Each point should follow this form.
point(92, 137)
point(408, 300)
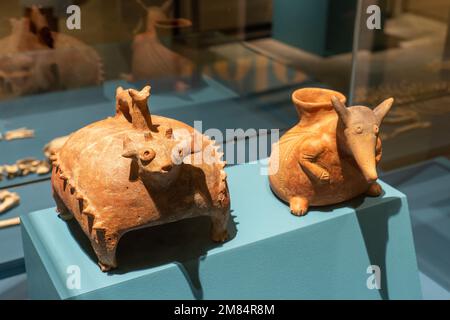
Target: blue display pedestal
point(271, 254)
point(426, 185)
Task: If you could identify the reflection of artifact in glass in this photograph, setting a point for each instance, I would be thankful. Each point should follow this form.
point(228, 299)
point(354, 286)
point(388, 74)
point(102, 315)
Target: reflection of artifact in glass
point(19, 67)
point(416, 103)
point(21, 133)
point(32, 62)
point(53, 146)
point(281, 72)
point(438, 65)
point(254, 73)
point(135, 170)
point(405, 120)
point(330, 156)
point(229, 72)
point(8, 200)
point(151, 59)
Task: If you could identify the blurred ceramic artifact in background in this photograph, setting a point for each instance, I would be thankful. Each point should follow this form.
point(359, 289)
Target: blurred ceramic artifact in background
point(135, 170)
point(24, 167)
point(151, 58)
point(331, 155)
point(37, 61)
point(53, 146)
point(8, 200)
point(20, 133)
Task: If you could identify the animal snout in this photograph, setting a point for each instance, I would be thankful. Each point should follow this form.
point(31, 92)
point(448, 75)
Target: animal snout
point(372, 178)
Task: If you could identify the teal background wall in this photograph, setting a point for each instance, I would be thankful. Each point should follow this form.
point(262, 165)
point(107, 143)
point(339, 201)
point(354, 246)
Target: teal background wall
point(301, 23)
point(322, 27)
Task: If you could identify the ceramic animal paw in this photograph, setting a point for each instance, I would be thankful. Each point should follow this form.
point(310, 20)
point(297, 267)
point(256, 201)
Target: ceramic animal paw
point(374, 190)
point(298, 206)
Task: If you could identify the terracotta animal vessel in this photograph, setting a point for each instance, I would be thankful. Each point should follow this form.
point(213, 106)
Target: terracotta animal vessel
point(330, 156)
point(135, 170)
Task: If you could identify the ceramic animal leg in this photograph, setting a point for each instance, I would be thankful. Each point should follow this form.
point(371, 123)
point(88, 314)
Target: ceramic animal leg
point(299, 206)
point(374, 190)
point(219, 224)
point(61, 208)
point(105, 245)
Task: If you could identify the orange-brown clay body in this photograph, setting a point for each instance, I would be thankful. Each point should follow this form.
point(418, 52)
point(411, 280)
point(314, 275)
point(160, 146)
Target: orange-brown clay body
point(330, 156)
point(135, 170)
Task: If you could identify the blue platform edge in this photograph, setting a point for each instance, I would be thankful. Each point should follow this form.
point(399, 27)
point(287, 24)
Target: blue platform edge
point(33, 197)
point(273, 254)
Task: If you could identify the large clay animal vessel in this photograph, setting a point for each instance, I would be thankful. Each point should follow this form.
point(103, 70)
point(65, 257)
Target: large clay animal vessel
point(330, 156)
point(135, 170)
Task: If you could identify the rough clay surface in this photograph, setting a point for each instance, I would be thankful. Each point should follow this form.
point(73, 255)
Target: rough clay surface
point(135, 170)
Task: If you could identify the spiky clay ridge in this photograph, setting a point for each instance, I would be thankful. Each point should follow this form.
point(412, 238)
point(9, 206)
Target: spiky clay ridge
point(102, 215)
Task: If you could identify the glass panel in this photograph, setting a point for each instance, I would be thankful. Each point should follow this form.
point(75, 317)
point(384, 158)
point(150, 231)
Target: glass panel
point(227, 64)
point(408, 58)
point(226, 67)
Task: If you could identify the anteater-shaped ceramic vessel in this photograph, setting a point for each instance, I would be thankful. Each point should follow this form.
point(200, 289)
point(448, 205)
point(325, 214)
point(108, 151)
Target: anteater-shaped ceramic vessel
point(330, 156)
point(135, 170)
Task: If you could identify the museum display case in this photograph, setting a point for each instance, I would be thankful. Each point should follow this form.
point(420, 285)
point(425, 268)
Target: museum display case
point(93, 94)
point(408, 58)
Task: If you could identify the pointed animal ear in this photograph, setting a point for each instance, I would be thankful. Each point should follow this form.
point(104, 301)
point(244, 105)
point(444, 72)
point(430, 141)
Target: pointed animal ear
point(166, 6)
point(37, 17)
point(341, 109)
point(129, 149)
point(140, 95)
point(382, 109)
point(119, 90)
